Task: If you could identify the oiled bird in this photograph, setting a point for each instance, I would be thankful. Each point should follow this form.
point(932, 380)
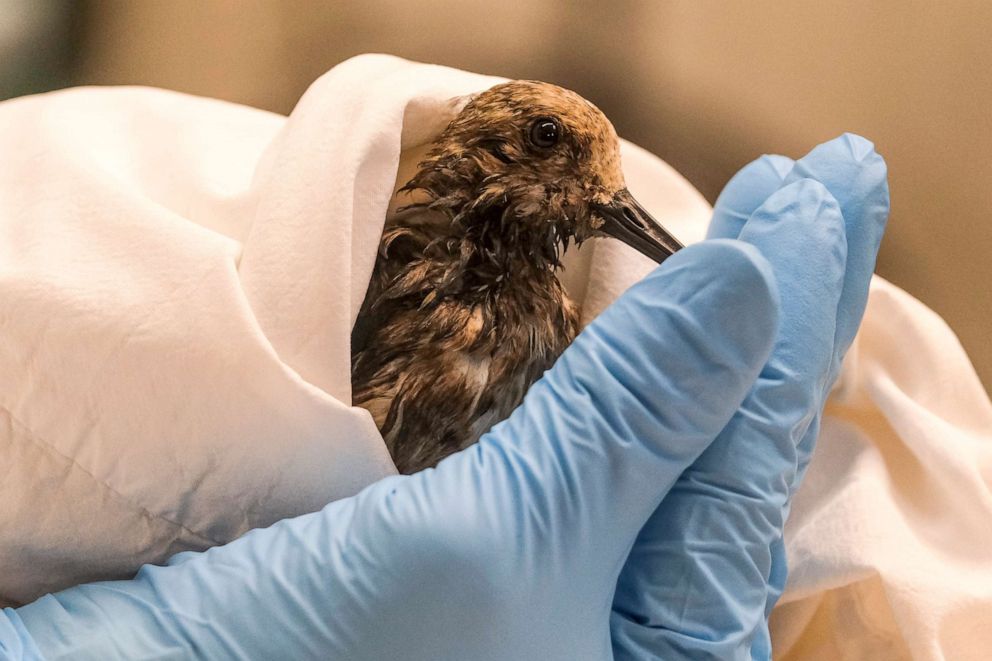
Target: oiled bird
point(465, 310)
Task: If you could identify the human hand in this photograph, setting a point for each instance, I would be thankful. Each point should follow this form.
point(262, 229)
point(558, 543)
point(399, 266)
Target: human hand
point(510, 549)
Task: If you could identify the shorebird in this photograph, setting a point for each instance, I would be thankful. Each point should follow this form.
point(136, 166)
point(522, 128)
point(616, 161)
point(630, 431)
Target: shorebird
point(464, 310)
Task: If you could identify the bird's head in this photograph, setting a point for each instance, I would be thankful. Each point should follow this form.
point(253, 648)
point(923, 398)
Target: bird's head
point(529, 162)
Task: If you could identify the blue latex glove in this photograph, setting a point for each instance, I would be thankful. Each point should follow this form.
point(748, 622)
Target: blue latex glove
point(709, 565)
point(508, 550)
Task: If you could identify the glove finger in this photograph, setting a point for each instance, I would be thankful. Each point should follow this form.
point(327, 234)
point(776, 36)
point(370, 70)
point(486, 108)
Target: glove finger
point(746, 191)
point(850, 167)
point(694, 583)
point(857, 176)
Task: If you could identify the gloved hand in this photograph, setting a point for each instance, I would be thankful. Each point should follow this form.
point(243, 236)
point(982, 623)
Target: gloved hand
point(510, 549)
point(708, 567)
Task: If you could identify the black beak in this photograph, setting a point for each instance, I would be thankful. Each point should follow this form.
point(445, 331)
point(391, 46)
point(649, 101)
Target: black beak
point(627, 220)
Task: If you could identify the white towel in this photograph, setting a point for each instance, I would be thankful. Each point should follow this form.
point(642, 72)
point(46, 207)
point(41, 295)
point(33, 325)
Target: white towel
point(178, 280)
point(890, 538)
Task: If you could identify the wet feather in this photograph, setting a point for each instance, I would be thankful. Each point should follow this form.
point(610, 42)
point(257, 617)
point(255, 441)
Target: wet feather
point(464, 310)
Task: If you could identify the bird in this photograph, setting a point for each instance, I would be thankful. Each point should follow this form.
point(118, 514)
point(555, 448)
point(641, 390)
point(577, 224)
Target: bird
point(464, 310)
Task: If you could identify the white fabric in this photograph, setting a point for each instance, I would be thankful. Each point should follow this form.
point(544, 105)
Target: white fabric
point(178, 279)
point(890, 538)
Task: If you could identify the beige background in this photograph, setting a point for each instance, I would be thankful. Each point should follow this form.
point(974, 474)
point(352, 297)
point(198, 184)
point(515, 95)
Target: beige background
point(706, 85)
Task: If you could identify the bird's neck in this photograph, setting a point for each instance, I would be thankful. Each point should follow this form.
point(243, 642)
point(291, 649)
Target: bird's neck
point(488, 250)
point(484, 237)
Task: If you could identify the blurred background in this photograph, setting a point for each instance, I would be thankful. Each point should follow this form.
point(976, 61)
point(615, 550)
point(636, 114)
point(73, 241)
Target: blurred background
point(705, 84)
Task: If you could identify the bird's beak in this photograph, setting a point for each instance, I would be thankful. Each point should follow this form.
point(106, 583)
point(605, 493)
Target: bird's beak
point(628, 221)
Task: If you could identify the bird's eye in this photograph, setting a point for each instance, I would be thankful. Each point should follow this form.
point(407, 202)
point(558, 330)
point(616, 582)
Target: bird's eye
point(545, 132)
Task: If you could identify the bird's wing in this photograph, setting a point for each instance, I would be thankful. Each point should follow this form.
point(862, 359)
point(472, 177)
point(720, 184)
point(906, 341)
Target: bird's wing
point(404, 239)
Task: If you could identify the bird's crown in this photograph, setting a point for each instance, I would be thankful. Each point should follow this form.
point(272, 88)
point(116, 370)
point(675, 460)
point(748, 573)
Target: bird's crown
point(528, 122)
